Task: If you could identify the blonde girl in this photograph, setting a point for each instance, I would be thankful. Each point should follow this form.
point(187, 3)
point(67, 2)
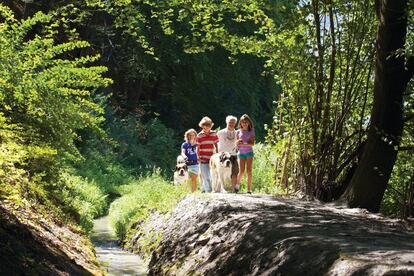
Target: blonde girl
point(189, 152)
point(245, 137)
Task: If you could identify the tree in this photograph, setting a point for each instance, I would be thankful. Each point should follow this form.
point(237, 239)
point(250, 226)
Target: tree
point(393, 70)
point(326, 81)
point(45, 93)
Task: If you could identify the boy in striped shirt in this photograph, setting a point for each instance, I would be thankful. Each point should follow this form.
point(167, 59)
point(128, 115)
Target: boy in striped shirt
point(206, 146)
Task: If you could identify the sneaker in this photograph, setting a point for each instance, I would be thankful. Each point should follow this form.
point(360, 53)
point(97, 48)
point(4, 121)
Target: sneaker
point(236, 188)
point(249, 192)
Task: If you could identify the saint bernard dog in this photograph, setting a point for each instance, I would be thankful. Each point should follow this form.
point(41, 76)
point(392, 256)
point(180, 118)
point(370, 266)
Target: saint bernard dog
point(181, 171)
point(220, 169)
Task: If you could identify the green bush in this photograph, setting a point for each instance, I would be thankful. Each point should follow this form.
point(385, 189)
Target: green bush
point(263, 171)
point(46, 98)
point(396, 201)
point(150, 192)
point(12, 153)
point(84, 197)
point(100, 163)
point(141, 146)
point(49, 96)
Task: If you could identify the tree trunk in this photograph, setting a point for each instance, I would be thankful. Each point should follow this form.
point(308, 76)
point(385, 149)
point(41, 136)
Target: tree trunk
point(285, 171)
point(370, 180)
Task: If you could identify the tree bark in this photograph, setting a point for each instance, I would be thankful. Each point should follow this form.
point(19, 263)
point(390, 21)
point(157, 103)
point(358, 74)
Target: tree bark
point(369, 182)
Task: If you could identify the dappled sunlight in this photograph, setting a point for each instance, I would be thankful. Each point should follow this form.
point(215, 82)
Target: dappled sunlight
point(309, 100)
point(231, 232)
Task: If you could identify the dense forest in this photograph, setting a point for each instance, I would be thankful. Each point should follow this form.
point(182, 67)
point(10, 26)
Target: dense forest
point(95, 97)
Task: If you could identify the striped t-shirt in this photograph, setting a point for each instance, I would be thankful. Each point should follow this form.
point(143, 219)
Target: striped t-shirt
point(206, 143)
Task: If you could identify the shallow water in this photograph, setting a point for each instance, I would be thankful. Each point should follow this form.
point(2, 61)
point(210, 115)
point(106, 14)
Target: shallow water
point(113, 258)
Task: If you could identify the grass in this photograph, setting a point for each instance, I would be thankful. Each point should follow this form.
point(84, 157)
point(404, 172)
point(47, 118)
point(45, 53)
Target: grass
point(140, 197)
point(85, 197)
point(263, 170)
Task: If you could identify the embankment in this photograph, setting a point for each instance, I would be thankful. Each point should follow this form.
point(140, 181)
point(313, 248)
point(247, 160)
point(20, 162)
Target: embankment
point(234, 234)
point(34, 244)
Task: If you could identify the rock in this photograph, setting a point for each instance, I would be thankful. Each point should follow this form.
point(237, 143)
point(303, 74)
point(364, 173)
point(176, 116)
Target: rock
point(234, 234)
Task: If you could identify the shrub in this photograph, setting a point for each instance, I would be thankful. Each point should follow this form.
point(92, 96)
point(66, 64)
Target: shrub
point(142, 145)
point(46, 98)
point(82, 198)
point(149, 192)
point(263, 170)
point(399, 197)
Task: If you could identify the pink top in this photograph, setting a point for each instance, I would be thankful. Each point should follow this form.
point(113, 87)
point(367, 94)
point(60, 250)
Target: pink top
point(245, 136)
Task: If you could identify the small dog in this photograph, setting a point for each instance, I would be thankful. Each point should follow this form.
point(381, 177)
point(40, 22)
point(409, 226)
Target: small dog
point(181, 171)
point(220, 169)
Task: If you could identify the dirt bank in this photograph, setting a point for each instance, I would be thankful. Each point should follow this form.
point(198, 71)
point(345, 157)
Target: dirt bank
point(31, 244)
point(228, 234)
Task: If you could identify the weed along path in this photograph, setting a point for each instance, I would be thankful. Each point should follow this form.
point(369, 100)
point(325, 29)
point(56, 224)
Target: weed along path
point(112, 258)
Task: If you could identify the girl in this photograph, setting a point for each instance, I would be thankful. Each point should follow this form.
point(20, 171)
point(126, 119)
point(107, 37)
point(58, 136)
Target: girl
point(245, 136)
point(189, 152)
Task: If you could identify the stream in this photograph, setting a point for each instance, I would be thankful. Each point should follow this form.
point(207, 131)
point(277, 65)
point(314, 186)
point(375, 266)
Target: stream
point(111, 256)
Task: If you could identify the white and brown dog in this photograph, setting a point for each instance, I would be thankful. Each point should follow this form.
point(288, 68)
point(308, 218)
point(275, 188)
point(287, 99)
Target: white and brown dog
point(220, 169)
point(181, 171)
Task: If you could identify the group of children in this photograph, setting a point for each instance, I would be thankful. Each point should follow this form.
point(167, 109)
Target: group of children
point(199, 147)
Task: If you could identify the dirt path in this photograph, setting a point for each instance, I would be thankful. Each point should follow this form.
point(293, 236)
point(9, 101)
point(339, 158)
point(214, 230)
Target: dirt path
point(228, 234)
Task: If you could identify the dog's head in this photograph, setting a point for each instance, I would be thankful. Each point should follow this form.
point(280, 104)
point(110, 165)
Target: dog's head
point(180, 174)
point(225, 159)
point(181, 169)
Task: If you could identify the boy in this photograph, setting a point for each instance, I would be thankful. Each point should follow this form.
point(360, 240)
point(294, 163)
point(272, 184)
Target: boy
point(206, 146)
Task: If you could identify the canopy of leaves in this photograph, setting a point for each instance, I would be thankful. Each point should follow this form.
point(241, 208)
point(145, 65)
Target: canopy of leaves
point(46, 97)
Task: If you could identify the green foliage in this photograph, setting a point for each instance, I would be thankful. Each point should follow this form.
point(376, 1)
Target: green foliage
point(139, 198)
point(263, 171)
point(99, 162)
point(140, 145)
point(399, 196)
point(396, 200)
point(11, 153)
point(166, 56)
point(323, 59)
point(48, 95)
point(238, 26)
point(227, 89)
point(46, 98)
point(82, 197)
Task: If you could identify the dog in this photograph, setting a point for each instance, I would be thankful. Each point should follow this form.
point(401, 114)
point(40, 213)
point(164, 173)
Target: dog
point(220, 169)
point(181, 171)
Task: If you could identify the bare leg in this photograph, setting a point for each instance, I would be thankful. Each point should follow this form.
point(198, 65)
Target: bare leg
point(201, 182)
point(249, 173)
point(193, 183)
point(242, 165)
